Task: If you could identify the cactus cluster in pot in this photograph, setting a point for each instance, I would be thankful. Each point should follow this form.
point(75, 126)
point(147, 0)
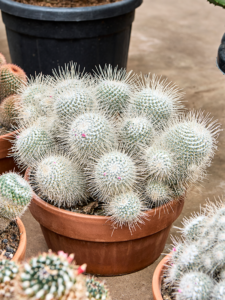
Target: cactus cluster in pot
point(12, 78)
point(49, 276)
point(116, 137)
point(196, 268)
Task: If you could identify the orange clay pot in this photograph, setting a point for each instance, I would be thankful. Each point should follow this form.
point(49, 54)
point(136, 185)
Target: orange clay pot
point(106, 251)
point(157, 278)
point(21, 250)
point(6, 163)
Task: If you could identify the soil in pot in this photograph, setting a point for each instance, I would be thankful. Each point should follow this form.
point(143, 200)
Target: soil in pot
point(67, 3)
point(10, 239)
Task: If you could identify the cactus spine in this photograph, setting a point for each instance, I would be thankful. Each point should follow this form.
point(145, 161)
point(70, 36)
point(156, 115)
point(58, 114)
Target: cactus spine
point(11, 79)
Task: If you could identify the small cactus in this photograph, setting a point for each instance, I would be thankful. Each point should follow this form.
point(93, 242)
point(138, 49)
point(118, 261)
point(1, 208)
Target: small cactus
point(11, 79)
point(15, 196)
point(136, 133)
point(96, 290)
point(158, 100)
point(59, 179)
point(31, 144)
point(194, 286)
point(158, 192)
point(9, 111)
point(194, 227)
point(114, 173)
point(114, 89)
point(126, 209)
point(2, 59)
point(89, 135)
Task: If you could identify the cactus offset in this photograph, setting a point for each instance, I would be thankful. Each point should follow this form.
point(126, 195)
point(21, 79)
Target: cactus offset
point(11, 79)
point(158, 192)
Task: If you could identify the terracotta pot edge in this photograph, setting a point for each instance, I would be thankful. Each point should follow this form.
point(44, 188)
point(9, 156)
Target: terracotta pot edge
point(20, 253)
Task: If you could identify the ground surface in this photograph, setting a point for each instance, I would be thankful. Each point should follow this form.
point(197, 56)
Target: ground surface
point(177, 39)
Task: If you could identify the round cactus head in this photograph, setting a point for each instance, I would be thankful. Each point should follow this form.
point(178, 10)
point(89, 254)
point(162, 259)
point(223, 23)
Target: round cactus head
point(192, 139)
point(2, 59)
point(96, 290)
point(194, 227)
point(114, 89)
point(89, 135)
point(160, 163)
point(12, 78)
point(47, 277)
point(195, 286)
point(31, 144)
point(60, 180)
point(158, 192)
point(72, 103)
point(126, 209)
point(15, 196)
point(136, 133)
point(9, 111)
point(158, 100)
point(114, 173)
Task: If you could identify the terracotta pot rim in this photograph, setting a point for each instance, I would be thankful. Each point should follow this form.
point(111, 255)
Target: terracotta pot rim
point(7, 135)
point(20, 252)
point(157, 278)
point(53, 208)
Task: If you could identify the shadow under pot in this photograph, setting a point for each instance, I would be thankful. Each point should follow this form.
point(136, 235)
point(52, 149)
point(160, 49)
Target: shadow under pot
point(92, 239)
point(43, 38)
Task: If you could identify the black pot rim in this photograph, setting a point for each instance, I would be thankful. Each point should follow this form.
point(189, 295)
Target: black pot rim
point(68, 14)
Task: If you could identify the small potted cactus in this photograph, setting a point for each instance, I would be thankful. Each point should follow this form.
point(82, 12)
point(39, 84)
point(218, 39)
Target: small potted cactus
point(49, 277)
point(15, 196)
point(11, 77)
point(110, 159)
point(195, 267)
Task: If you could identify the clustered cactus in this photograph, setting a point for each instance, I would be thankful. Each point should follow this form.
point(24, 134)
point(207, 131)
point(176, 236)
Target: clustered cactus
point(196, 267)
point(49, 277)
point(130, 146)
point(15, 196)
point(12, 78)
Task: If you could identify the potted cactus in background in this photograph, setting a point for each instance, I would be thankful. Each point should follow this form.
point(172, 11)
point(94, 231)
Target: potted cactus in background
point(195, 267)
point(11, 78)
point(110, 159)
point(49, 277)
point(93, 34)
point(15, 196)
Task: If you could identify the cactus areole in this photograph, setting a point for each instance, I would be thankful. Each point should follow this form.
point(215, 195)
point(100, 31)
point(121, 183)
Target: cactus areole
point(96, 39)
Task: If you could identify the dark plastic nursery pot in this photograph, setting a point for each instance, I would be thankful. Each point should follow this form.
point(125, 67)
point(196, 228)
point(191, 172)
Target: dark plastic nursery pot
point(221, 55)
point(92, 239)
point(43, 38)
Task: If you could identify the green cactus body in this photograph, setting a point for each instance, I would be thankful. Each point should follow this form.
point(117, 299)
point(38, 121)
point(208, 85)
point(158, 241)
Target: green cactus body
point(177, 251)
point(114, 173)
point(60, 180)
point(8, 111)
point(8, 270)
point(136, 133)
point(159, 101)
point(113, 90)
point(2, 59)
point(70, 104)
point(89, 135)
point(47, 277)
point(15, 195)
point(218, 2)
point(158, 192)
point(218, 292)
point(96, 290)
point(160, 163)
point(195, 286)
point(32, 144)
point(126, 209)
point(194, 228)
point(11, 79)
point(190, 258)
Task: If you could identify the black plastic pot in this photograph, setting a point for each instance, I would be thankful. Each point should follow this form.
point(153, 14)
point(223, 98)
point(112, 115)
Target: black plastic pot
point(221, 55)
point(43, 38)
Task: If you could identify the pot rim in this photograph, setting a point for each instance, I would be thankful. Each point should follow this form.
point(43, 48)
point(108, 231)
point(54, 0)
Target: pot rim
point(9, 134)
point(68, 14)
point(20, 252)
point(157, 277)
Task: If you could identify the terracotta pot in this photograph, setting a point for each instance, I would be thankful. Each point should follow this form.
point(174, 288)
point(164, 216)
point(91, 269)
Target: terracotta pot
point(6, 163)
point(157, 278)
point(94, 242)
point(21, 250)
